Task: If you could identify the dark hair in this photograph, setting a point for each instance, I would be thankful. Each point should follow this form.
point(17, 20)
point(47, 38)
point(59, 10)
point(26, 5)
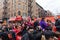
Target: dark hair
point(43, 18)
point(48, 21)
point(16, 26)
point(30, 28)
point(20, 33)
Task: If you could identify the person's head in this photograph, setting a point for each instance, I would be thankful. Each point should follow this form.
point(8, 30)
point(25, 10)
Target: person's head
point(56, 18)
point(23, 25)
point(4, 26)
point(19, 27)
point(43, 19)
point(48, 21)
point(30, 30)
point(9, 35)
point(16, 27)
point(39, 27)
point(8, 26)
point(19, 34)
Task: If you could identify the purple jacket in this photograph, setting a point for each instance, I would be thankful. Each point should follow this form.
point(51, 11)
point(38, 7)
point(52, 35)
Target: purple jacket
point(43, 24)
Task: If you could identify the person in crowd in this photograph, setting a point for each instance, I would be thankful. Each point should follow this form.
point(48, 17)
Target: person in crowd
point(19, 36)
point(43, 24)
point(49, 35)
point(57, 24)
point(49, 23)
point(38, 33)
point(23, 29)
point(29, 30)
point(8, 28)
point(32, 22)
point(29, 34)
point(32, 34)
point(4, 28)
point(17, 29)
point(36, 23)
point(1, 34)
point(28, 22)
point(4, 36)
point(11, 35)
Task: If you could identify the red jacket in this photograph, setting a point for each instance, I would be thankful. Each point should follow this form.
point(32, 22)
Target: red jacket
point(58, 38)
point(18, 37)
point(54, 29)
point(16, 30)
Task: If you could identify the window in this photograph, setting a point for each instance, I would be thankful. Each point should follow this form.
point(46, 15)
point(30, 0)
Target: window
point(14, 14)
point(19, 0)
point(14, 4)
point(14, 1)
point(8, 15)
point(7, 0)
point(19, 5)
point(8, 9)
point(39, 14)
point(31, 1)
point(14, 7)
point(23, 1)
point(11, 15)
point(19, 13)
point(24, 7)
point(24, 15)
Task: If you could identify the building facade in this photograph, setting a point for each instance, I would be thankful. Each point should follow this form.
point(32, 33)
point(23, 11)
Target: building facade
point(21, 7)
point(18, 7)
point(11, 8)
point(31, 8)
point(49, 13)
point(40, 11)
point(1, 8)
point(5, 10)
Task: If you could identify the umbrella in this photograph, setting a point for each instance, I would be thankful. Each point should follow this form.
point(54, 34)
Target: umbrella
point(12, 19)
point(18, 18)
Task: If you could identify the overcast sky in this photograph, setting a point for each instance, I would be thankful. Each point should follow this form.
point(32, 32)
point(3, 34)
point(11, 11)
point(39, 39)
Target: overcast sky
point(52, 5)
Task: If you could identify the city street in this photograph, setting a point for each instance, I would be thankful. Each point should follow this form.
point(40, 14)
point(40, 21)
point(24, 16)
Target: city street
point(29, 20)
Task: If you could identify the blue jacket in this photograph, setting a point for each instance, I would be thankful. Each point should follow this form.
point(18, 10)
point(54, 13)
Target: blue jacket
point(43, 24)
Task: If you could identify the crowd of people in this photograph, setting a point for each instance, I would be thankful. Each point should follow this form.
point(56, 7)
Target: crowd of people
point(31, 30)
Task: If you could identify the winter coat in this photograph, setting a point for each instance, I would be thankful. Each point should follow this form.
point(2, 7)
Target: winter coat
point(43, 24)
point(25, 37)
point(36, 23)
point(57, 24)
point(18, 37)
point(48, 34)
point(28, 36)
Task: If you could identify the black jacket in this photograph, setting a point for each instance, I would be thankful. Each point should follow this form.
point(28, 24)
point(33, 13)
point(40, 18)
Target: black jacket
point(57, 24)
point(48, 34)
point(36, 23)
point(27, 36)
point(36, 35)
